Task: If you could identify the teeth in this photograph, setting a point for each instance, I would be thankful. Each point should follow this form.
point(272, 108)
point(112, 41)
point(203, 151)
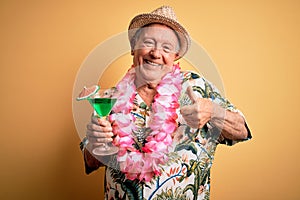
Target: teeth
point(152, 63)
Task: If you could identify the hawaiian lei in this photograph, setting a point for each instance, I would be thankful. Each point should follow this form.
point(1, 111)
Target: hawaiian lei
point(143, 164)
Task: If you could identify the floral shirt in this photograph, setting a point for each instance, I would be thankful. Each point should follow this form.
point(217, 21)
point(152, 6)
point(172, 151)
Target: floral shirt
point(186, 175)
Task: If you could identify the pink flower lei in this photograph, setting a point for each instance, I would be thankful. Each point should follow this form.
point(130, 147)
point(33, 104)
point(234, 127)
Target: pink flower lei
point(143, 163)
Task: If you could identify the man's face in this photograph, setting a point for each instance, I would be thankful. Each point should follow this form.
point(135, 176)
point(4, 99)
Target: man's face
point(155, 51)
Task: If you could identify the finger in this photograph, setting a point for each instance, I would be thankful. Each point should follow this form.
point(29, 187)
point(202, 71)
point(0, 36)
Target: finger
point(94, 119)
point(100, 121)
point(97, 141)
point(96, 127)
point(99, 134)
point(104, 122)
point(188, 110)
point(99, 125)
point(191, 94)
point(192, 123)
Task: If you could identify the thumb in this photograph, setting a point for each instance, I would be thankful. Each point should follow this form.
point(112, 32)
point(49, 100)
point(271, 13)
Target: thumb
point(191, 94)
point(189, 109)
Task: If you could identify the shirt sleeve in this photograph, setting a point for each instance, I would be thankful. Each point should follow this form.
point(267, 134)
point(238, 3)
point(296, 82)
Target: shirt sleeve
point(90, 162)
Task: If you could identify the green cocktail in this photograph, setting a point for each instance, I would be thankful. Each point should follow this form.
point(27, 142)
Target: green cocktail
point(102, 106)
point(102, 100)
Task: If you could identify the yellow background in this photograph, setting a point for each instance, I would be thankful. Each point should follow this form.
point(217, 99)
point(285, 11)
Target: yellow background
point(255, 45)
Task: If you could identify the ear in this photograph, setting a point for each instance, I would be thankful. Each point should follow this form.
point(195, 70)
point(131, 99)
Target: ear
point(176, 56)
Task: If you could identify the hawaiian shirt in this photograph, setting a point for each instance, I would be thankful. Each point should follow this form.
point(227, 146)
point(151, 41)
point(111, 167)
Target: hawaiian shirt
point(186, 175)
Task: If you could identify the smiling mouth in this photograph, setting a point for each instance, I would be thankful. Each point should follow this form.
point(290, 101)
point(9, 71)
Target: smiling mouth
point(152, 63)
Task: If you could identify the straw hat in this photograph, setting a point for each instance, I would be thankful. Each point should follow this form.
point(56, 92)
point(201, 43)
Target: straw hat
point(162, 15)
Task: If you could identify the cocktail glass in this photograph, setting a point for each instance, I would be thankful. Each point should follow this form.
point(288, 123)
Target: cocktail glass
point(103, 102)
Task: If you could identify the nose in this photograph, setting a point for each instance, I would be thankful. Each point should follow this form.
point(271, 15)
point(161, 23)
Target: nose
point(155, 53)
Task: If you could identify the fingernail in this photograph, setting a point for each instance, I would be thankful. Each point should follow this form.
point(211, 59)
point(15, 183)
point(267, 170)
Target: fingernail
point(110, 134)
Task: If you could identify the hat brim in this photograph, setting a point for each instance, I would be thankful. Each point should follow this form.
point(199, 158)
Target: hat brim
point(145, 19)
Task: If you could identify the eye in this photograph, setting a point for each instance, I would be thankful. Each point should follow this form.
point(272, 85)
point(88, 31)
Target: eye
point(167, 48)
point(148, 43)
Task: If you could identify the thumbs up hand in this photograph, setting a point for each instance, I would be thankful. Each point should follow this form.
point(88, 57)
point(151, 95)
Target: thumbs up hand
point(199, 113)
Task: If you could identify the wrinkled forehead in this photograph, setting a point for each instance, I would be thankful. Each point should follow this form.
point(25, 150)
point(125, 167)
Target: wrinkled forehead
point(158, 31)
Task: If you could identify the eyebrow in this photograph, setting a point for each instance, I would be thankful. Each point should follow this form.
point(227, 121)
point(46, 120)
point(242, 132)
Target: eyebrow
point(139, 32)
point(167, 42)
